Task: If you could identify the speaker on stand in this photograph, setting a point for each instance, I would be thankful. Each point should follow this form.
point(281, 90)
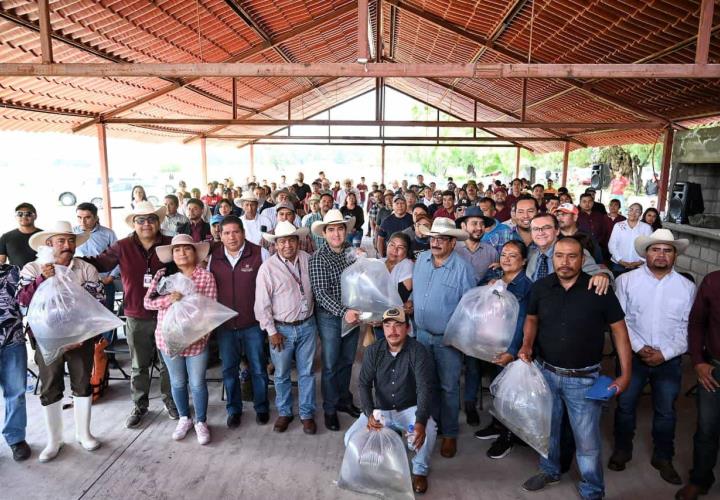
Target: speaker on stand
point(685, 200)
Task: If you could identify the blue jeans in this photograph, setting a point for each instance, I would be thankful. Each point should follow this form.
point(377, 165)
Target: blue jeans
point(249, 341)
point(399, 421)
point(584, 415)
point(338, 356)
point(448, 363)
point(13, 377)
point(664, 380)
point(473, 379)
point(707, 435)
point(299, 344)
point(355, 238)
point(184, 370)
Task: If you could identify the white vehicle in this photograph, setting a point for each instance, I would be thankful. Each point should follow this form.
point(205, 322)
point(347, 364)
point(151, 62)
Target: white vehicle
point(120, 193)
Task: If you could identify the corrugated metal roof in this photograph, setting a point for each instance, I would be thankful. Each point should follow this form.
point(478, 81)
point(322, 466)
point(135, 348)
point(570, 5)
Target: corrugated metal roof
point(414, 31)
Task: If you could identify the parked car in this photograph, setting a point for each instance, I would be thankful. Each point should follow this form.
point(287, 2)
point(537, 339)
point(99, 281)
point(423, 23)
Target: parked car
point(120, 193)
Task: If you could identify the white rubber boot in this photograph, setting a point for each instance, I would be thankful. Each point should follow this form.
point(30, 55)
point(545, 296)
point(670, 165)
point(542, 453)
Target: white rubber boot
point(54, 424)
point(83, 408)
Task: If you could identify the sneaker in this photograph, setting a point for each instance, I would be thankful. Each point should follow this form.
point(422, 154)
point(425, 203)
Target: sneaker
point(172, 410)
point(203, 433)
point(181, 429)
point(135, 417)
point(20, 451)
point(489, 432)
point(501, 447)
point(539, 481)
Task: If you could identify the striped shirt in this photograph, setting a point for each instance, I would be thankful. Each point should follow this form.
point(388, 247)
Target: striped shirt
point(277, 293)
point(204, 284)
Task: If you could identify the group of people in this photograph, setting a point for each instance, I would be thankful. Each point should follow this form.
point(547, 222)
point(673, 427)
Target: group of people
point(275, 257)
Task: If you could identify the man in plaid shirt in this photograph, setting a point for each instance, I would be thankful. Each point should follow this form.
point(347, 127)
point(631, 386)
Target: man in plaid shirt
point(338, 352)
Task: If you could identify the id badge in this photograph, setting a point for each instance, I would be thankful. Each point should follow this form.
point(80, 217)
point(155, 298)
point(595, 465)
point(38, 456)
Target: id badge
point(147, 279)
point(304, 306)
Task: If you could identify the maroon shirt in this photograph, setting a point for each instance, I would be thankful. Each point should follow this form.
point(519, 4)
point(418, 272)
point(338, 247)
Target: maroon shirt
point(442, 212)
point(599, 226)
point(704, 321)
point(504, 214)
point(134, 262)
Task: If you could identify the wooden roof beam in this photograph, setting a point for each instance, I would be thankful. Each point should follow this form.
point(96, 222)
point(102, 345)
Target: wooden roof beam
point(45, 31)
point(703, 39)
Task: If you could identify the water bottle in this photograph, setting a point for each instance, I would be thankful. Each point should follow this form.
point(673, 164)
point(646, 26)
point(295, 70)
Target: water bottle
point(411, 437)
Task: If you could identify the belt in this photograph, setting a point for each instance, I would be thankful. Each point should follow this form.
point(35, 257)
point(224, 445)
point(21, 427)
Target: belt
point(292, 323)
point(568, 372)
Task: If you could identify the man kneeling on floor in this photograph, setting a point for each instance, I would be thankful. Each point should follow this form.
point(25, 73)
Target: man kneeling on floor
point(402, 373)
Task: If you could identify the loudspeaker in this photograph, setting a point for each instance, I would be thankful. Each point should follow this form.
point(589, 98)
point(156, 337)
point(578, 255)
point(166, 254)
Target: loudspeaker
point(600, 177)
point(686, 200)
point(531, 173)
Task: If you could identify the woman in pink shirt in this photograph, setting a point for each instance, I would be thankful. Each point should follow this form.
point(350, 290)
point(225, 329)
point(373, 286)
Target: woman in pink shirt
point(183, 255)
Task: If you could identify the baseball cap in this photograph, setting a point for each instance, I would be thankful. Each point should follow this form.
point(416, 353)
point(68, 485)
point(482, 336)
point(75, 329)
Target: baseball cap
point(568, 208)
point(216, 219)
point(398, 197)
point(284, 204)
point(394, 314)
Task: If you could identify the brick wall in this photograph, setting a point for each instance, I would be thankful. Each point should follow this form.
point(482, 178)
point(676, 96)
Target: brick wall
point(708, 176)
point(701, 257)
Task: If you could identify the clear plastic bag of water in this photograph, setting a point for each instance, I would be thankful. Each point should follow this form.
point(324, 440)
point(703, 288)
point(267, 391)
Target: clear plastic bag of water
point(63, 313)
point(522, 401)
point(483, 324)
point(376, 463)
point(192, 317)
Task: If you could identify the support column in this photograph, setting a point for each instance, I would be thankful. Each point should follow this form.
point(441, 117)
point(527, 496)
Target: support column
point(566, 158)
point(252, 160)
point(203, 160)
point(382, 164)
point(104, 175)
point(665, 172)
point(517, 161)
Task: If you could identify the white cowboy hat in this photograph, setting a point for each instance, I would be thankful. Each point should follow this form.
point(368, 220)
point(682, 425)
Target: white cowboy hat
point(443, 226)
point(291, 196)
point(246, 197)
point(39, 239)
point(333, 216)
point(283, 229)
point(164, 252)
point(144, 208)
point(660, 236)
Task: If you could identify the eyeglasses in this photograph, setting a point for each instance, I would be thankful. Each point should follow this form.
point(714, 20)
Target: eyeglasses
point(20, 213)
point(542, 229)
point(150, 219)
point(443, 239)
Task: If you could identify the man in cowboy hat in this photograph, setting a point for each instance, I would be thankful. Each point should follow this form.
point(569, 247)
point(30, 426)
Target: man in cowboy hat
point(704, 350)
point(440, 278)
point(284, 307)
point(253, 222)
point(279, 196)
point(79, 358)
point(235, 265)
point(325, 204)
point(196, 226)
point(138, 264)
point(286, 213)
point(657, 302)
point(338, 352)
point(401, 372)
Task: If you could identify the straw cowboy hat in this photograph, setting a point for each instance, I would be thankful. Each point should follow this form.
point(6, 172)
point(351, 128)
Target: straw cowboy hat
point(291, 196)
point(283, 229)
point(659, 236)
point(164, 252)
point(443, 226)
point(333, 216)
point(246, 197)
point(39, 239)
point(144, 208)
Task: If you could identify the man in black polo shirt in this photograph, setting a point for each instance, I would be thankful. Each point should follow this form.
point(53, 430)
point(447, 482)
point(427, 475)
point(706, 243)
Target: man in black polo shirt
point(14, 244)
point(403, 374)
point(565, 325)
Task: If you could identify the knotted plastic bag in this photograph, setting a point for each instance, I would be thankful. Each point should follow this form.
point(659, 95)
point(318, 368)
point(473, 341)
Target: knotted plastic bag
point(192, 317)
point(63, 313)
point(483, 324)
point(522, 401)
point(376, 463)
point(366, 286)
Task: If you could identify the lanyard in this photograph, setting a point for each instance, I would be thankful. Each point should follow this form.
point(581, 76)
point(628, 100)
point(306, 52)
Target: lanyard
point(298, 279)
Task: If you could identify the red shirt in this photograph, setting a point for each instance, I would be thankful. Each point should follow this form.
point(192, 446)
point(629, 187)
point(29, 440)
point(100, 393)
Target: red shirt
point(211, 200)
point(442, 212)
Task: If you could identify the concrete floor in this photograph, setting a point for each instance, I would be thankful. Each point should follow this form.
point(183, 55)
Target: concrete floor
point(252, 462)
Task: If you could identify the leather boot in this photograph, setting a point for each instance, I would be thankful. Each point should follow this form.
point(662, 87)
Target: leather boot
point(54, 425)
point(83, 436)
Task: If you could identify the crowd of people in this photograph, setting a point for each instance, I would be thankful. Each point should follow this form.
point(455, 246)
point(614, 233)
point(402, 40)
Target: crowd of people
point(274, 254)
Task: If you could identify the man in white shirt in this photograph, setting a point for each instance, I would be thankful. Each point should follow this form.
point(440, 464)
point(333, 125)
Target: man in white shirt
point(253, 222)
point(657, 302)
point(173, 218)
point(622, 241)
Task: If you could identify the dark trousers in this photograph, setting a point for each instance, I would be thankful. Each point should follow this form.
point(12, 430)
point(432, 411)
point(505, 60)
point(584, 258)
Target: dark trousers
point(707, 435)
point(141, 341)
point(52, 377)
point(338, 355)
point(664, 380)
